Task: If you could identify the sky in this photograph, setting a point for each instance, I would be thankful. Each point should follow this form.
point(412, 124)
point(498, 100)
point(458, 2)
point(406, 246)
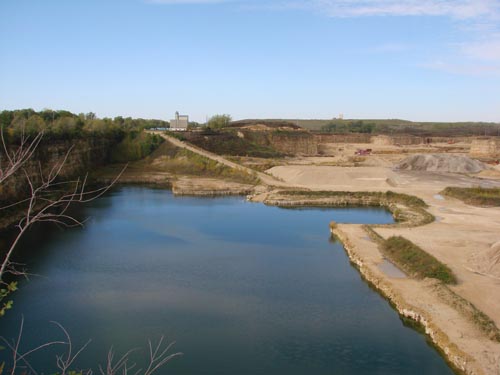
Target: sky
point(421, 60)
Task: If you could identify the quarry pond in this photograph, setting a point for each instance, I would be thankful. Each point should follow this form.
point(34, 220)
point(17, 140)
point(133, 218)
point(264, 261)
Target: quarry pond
point(241, 287)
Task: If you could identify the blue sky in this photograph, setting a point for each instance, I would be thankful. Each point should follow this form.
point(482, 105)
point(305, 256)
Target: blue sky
point(420, 60)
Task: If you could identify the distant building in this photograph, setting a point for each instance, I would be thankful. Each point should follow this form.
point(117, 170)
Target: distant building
point(180, 123)
point(341, 116)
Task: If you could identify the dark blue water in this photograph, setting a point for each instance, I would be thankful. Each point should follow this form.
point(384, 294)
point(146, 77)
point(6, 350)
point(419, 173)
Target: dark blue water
point(243, 289)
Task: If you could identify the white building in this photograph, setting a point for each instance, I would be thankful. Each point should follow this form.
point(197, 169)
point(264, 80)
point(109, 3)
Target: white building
point(180, 123)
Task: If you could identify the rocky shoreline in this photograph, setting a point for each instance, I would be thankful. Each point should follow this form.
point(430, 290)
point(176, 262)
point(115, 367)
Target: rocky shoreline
point(437, 309)
point(457, 358)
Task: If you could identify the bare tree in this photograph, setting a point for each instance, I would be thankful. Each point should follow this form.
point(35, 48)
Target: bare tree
point(15, 158)
point(49, 199)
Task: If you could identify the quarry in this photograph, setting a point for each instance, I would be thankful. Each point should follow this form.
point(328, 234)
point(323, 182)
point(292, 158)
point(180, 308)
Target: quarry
point(279, 163)
point(462, 236)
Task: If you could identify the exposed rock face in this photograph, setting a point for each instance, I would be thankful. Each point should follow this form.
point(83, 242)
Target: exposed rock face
point(485, 148)
point(343, 138)
point(382, 140)
point(461, 360)
point(84, 156)
point(209, 187)
point(441, 163)
point(293, 142)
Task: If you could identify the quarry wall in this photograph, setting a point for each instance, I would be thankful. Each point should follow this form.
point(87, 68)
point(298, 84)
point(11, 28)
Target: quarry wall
point(85, 155)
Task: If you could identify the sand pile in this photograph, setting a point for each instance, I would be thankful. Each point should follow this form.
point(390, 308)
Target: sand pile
point(488, 262)
point(441, 163)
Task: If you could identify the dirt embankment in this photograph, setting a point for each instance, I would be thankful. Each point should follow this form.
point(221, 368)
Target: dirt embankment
point(84, 155)
point(255, 141)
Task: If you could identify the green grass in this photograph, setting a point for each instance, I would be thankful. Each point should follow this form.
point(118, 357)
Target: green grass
point(477, 196)
point(416, 261)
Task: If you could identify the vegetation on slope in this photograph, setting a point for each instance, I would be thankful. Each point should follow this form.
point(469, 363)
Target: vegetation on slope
point(477, 196)
point(416, 261)
point(219, 121)
point(228, 143)
point(179, 161)
point(135, 146)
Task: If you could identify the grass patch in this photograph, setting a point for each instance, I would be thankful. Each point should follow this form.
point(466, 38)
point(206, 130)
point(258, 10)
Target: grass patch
point(476, 196)
point(416, 261)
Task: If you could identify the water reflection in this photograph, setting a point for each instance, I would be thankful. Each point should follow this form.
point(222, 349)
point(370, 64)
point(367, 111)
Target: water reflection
point(243, 288)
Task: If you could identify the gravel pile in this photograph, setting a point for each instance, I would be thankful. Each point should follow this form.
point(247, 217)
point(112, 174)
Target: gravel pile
point(441, 163)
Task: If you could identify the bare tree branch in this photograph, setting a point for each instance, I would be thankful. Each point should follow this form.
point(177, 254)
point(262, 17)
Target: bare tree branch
point(50, 200)
point(18, 157)
point(17, 356)
point(158, 356)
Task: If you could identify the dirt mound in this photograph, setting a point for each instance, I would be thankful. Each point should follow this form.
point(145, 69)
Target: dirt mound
point(488, 262)
point(441, 163)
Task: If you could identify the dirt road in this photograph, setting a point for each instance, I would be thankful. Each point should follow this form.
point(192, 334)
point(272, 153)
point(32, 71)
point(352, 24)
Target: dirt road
point(265, 178)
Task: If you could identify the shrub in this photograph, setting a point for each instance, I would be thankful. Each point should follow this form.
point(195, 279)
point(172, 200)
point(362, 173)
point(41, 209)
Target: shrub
point(477, 196)
point(416, 261)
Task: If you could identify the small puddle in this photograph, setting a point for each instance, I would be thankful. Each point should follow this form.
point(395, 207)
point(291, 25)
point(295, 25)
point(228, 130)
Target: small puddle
point(391, 270)
point(439, 197)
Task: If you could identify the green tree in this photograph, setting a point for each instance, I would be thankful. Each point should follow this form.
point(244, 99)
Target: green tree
point(65, 127)
point(219, 121)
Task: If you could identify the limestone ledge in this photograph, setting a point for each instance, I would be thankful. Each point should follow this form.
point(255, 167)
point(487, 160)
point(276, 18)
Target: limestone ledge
point(454, 355)
point(404, 215)
point(209, 187)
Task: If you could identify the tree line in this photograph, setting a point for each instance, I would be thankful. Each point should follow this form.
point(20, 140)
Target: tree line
point(402, 127)
point(62, 125)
